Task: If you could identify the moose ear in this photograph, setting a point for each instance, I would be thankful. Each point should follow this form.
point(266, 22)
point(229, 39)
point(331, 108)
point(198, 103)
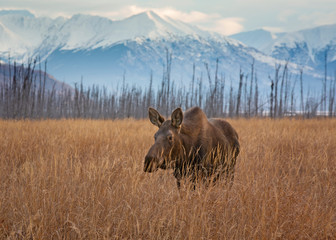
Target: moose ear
point(177, 118)
point(155, 117)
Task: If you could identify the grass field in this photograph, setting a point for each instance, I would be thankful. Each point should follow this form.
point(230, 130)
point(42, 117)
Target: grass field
point(83, 179)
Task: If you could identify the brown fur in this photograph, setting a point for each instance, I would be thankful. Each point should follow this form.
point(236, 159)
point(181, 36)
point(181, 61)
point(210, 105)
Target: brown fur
point(193, 145)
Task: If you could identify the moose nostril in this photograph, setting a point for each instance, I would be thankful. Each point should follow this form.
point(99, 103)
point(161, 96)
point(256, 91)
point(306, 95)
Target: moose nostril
point(148, 163)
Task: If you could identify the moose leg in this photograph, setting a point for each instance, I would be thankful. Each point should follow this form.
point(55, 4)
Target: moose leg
point(233, 162)
point(178, 183)
point(178, 176)
point(230, 176)
point(230, 172)
point(217, 176)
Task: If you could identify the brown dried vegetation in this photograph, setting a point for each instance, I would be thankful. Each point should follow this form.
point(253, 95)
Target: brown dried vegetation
point(83, 179)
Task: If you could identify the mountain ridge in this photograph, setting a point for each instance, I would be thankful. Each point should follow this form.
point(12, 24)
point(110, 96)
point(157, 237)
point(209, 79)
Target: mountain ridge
point(101, 50)
point(305, 47)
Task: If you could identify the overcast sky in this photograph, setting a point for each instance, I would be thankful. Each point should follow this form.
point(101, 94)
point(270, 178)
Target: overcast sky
point(226, 16)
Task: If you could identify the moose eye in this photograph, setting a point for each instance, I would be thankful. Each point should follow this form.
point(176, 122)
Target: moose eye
point(170, 138)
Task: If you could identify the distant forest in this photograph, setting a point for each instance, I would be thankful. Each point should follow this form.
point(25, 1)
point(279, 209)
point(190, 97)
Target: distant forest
point(24, 95)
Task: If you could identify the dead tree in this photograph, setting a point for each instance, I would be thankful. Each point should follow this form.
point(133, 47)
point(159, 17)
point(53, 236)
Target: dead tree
point(301, 93)
point(292, 98)
point(241, 77)
point(192, 86)
point(324, 91)
point(251, 89)
point(256, 96)
point(271, 98)
point(332, 92)
point(168, 72)
point(280, 114)
point(276, 81)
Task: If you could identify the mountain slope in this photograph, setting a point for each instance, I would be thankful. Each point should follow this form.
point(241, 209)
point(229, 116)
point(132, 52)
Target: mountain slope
point(27, 33)
point(259, 39)
point(7, 72)
point(102, 51)
point(305, 47)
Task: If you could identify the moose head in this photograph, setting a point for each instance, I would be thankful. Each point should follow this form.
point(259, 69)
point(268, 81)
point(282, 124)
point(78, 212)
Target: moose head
point(167, 146)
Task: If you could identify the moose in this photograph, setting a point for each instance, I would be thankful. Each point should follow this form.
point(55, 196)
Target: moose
point(194, 146)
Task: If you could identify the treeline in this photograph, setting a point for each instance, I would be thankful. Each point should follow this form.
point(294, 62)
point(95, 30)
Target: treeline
point(23, 94)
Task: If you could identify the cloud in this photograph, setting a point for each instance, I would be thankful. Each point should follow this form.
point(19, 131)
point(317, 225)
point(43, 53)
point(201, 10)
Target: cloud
point(188, 17)
point(318, 18)
point(233, 16)
point(228, 26)
point(207, 21)
point(211, 22)
point(309, 17)
point(285, 15)
point(273, 29)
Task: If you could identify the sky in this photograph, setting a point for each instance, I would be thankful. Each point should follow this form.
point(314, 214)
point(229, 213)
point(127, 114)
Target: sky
point(226, 16)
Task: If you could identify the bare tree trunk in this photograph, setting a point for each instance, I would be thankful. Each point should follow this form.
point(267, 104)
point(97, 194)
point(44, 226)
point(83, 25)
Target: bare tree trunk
point(245, 97)
point(169, 61)
point(256, 96)
point(149, 96)
point(276, 79)
point(325, 83)
point(241, 77)
point(215, 92)
point(222, 95)
point(192, 86)
point(231, 103)
point(271, 98)
point(287, 86)
point(200, 92)
point(211, 91)
point(251, 91)
point(301, 93)
point(281, 90)
point(332, 92)
point(292, 98)
point(43, 88)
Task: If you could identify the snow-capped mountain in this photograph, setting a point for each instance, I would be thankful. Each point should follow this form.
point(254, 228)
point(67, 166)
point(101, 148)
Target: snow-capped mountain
point(305, 47)
point(22, 33)
point(102, 51)
point(7, 72)
point(259, 39)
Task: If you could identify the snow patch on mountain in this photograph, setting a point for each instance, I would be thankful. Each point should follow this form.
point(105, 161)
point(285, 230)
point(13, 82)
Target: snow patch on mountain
point(305, 47)
point(101, 50)
point(316, 38)
point(259, 39)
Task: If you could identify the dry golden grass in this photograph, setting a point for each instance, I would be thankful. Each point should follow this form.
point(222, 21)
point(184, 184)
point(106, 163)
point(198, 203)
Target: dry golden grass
point(82, 179)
